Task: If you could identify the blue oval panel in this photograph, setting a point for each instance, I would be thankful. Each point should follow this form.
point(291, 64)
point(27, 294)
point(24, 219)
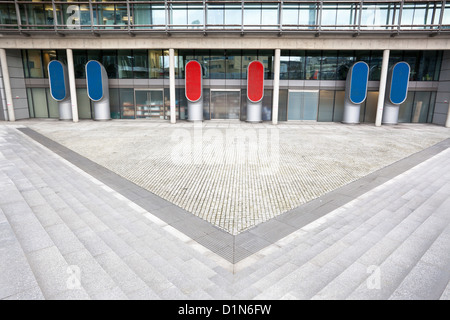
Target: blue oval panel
point(399, 83)
point(358, 83)
point(57, 80)
point(94, 80)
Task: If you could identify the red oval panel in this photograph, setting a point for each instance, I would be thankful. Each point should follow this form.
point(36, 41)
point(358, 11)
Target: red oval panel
point(193, 81)
point(255, 81)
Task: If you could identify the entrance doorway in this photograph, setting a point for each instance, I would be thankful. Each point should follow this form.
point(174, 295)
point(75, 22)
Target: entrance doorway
point(225, 103)
point(303, 104)
point(149, 104)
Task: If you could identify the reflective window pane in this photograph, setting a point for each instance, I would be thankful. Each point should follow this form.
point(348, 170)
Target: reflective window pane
point(140, 64)
point(312, 65)
point(125, 64)
point(215, 15)
point(290, 15)
point(39, 102)
point(421, 106)
point(195, 16)
point(326, 104)
point(233, 18)
point(35, 67)
point(252, 15)
point(284, 65)
point(329, 65)
point(297, 65)
point(345, 61)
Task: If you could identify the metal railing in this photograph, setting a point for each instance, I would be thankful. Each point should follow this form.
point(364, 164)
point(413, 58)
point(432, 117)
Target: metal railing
point(367, 17)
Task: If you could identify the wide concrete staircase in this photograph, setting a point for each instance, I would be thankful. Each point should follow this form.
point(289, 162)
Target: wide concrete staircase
point(64, 235)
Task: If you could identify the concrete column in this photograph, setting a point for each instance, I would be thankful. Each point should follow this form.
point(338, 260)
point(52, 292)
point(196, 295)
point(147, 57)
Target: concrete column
point(7, 84)
point(73, 88)
point(447, 123)
point(382, 91)
point(173, 114)
point(276, 86)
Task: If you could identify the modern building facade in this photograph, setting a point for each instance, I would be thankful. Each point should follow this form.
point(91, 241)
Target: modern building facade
point(306, 47)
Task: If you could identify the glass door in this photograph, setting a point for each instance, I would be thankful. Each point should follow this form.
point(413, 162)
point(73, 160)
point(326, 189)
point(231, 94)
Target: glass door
point(149, 104)
point(225, 104)
point(303, 104)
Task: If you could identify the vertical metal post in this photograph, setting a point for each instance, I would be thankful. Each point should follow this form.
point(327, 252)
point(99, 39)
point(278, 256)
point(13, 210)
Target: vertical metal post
point(276, 86)
point(382, 91)
point(173, 114)
point(73, 89)
point(7, 84)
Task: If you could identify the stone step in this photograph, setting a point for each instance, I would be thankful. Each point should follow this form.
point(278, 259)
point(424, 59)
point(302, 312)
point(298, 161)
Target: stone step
point(17, 280)
point(111, 236)
point(45, 260)
point(429, 277)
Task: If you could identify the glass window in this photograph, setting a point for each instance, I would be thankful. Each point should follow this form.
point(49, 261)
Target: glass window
point(290, 15)
point(377, 16)
point(126, 96)
point(326, 104)
point(79, 60)
point(421, 106)
point(140, 64)
point(84, 104)
point(47, 56)
point(30, 103)
point(111, 15)
point(158, 16)
point(216, 65)
point(345, 15)
point(25, 63)
point(307, 16)
point(420, 14)
point(431, 108)
point(394, 57)
point(312, 65)
point(233, 17)
point(266, 57)
point(282, 105)
point(339, 100)
point(35, 64)
point(125, 64)
point(178, 15)
point(109, 61)
point(329, 65)
point(142, 15)
point(233, 64)
point(215, 15)
point(407, 15)
point(269, 15)
point(406, 108)
point(252, 15)
point(376, 60)
point(53, 105)
point(247, 57)
point(427, 66)
point(412, 58)
point(345, 60)
point(329, 16)
point(284, 64)
point(370, 113)
point(114, 103)
point(446, 16)
point(8, 14)
point(156, 64)
point(297, 65)
point(195, 16)
point(39, 102)
point(267, 105)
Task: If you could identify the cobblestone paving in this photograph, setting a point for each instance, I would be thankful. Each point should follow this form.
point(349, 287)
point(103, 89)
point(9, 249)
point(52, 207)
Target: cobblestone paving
point(236, 175)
